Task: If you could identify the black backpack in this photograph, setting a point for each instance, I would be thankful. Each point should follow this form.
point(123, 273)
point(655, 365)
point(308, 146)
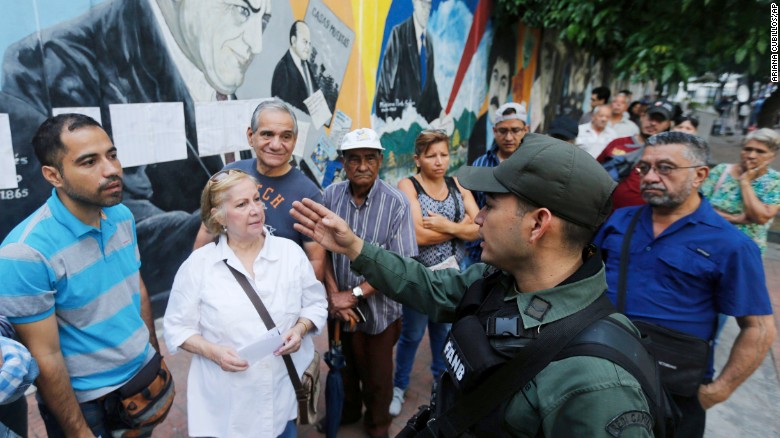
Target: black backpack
point(611, 340)
point(602, 337)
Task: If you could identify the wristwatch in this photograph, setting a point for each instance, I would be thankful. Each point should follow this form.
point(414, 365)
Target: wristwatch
point(357, 291)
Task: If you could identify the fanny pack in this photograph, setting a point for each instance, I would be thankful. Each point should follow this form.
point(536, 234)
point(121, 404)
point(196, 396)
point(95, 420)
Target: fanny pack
point(143, 402)
point(682, 359)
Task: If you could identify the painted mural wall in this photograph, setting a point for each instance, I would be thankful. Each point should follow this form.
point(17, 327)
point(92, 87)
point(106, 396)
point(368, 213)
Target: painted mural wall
point(175, 83)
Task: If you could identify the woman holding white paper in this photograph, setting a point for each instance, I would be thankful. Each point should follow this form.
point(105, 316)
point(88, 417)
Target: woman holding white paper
point(210, 315)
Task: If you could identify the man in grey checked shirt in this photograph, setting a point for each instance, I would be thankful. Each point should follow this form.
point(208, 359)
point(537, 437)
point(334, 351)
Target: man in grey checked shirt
point(380, 214)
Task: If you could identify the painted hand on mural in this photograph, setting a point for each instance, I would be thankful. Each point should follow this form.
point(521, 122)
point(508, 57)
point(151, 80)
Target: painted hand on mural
point(445, 123)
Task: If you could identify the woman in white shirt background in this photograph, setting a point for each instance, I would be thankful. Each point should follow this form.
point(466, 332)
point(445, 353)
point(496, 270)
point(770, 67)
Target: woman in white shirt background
point(210, 316)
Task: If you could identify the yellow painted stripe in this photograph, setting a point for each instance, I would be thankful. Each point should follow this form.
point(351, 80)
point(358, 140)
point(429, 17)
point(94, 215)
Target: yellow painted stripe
point(369, 18)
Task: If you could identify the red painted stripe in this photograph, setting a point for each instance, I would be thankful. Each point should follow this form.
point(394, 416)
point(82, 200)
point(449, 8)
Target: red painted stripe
point(478, 25)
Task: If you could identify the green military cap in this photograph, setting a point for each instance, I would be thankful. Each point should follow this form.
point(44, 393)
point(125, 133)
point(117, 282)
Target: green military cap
point(550, 173)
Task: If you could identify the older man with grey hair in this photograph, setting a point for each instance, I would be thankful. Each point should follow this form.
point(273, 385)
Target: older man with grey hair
point(675, 264)
point(272, 134)
point(594, 136)
point(619, 119)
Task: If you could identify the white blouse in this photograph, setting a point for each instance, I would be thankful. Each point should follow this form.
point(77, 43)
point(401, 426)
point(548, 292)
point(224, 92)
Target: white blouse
point(206, 299)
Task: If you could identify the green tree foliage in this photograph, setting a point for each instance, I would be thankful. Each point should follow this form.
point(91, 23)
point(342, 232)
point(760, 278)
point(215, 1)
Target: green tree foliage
point(665, 40)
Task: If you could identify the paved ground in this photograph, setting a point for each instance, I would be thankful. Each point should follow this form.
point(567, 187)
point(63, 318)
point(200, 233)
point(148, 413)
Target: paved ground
point(754, 408)
point(752, 411)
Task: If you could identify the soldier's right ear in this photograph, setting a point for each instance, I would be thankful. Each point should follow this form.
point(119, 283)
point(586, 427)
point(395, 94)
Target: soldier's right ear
point(53, 175)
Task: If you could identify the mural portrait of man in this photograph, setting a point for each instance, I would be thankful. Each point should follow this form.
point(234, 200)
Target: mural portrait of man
point(141, 51)
point(500, 70)
point(406, 73)
point(294, 78)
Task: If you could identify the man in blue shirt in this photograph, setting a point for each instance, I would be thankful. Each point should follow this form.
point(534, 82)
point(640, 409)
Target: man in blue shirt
point(686, 264)
point(272, 134)
point(72, 287)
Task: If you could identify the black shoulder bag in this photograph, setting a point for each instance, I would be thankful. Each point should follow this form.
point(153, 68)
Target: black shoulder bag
point(682, 358)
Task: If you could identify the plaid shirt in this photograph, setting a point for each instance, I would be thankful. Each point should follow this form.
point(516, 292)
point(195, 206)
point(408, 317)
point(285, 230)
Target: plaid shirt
point(6, 329)
point(17, 371)
point(385, 220)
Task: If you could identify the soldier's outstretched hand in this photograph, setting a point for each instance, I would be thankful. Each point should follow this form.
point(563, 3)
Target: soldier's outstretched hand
point(326, 228)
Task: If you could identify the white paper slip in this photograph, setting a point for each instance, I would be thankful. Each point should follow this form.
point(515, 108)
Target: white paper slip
point(318, 108)
point(8, 178)
point(148, 133)
point(267, 344)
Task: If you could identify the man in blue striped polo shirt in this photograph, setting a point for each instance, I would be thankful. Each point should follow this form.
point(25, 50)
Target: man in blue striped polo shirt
point(72, 287)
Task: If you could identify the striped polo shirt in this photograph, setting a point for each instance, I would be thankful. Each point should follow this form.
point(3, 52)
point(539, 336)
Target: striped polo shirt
point(385, 220)
point(54, 263)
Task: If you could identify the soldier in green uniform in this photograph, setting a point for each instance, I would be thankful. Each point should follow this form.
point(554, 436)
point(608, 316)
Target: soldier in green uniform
point(543, 206)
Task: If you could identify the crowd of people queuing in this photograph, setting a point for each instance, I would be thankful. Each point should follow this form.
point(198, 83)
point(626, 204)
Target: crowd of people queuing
point(512, 251)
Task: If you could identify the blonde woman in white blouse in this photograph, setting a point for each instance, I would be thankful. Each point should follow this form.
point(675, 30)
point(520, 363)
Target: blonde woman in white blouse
point(210, 316)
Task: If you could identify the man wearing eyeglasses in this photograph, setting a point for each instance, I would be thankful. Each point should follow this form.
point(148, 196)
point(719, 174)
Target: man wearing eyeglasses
point(509, 128)
point(685, 265)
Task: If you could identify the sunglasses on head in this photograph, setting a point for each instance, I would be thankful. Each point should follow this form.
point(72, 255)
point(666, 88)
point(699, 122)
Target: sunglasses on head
point(222, 174)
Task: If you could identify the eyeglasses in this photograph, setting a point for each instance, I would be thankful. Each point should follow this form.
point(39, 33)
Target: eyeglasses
point(505, 131)
point(222, 174)
point(661, 169)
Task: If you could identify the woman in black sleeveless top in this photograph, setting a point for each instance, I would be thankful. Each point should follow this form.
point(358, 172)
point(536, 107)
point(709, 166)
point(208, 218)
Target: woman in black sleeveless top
point(443, 214)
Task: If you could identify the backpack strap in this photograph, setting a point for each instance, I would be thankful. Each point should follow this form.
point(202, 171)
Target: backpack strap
point(517, 372)
point(417, 187)
point(610, 340)
point(623, 269)
point(453, 189)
